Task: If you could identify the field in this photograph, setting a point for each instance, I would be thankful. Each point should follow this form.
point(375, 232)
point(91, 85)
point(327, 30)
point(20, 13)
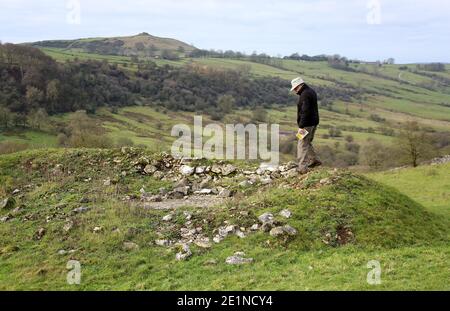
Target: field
point(409, 239)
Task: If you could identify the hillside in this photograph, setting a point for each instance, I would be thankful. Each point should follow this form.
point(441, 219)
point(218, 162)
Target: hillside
point(429, 185)
point(140, 99)
point(143, 44)
point(137, 220)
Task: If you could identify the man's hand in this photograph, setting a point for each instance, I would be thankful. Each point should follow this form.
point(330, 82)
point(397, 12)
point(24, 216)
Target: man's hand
point(301, 131)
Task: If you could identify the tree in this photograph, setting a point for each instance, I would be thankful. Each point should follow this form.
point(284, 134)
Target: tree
point(85, 132)
point(52, 94)
point(226, 103)
point(260, 114)
point(414, 144)
point(37, 118)
point(34, 96)
point(5, 117)
point(374, 154)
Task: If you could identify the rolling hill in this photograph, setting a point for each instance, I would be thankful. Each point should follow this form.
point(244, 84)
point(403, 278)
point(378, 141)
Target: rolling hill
point(142, 44)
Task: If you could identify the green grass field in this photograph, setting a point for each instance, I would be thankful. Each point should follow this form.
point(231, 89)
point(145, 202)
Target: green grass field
point(428, 185)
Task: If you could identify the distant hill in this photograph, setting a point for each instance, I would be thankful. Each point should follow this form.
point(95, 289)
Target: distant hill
point(142, 44)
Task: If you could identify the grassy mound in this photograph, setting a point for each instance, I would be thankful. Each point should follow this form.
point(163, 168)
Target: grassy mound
point(340, 218)
point(340, 208)
point(428, 184)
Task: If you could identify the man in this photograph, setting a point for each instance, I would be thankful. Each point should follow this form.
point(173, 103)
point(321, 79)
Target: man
point(307, 119)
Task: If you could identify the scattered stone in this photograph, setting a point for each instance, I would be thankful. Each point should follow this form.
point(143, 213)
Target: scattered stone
point(7, 203)
point(238, 259)
point(266, 218)
point(187, 215)
point(228, 169)
point(62, 252)
point(38, 235)
point(265, 180)
point(290, 230)
point(107, 182)
point(277, 231)
point(200, 169)
point(168, 217)
point(162, 242)
point(224, 193)
point(130, 246)
point(254, 227)
point(187, 170)
point(158, 175)
point(290, 173)
point(286, 213)
point(16, 191)
point(68, 226)
point(204, 191)
point(80, 210)
point(84, 200)
point(224, 231)
point(217, 239)
point(203, 242)
point(240, 234)
point(245, 183)
point(153, 198)
point(6, 218)
point(97, 229)
point(184, 253)
point(216, 169)
point(325, 181)
point(150, 169)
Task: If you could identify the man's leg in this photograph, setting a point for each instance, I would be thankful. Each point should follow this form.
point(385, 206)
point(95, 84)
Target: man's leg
point(313, 158)
point(305, 150)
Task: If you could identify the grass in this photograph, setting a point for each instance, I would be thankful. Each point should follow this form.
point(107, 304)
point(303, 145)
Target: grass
point(410, 242)
point(428, 185)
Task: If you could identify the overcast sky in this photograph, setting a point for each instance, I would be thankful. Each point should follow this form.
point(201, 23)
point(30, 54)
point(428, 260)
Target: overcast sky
point(409, 31)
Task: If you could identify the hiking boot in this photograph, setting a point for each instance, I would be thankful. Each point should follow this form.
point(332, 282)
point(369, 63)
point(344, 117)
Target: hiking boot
point(302, 170)
point(316, 163)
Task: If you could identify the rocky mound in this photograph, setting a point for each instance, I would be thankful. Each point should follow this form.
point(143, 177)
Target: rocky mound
point(189, 205)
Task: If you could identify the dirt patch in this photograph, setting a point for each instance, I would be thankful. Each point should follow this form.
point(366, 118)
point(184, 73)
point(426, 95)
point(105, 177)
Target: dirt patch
point(200, 201)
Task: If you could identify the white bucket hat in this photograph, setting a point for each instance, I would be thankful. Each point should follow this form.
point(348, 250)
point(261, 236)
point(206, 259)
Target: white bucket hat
point(296, 82)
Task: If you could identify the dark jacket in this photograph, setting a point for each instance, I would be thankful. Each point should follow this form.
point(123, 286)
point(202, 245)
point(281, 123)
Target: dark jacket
point(307, 109)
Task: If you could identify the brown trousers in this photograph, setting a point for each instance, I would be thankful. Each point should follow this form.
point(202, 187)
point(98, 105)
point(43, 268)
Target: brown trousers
point(305, 150)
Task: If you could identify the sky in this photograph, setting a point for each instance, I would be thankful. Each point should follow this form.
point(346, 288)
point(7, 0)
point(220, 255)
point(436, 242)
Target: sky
point(408, 31)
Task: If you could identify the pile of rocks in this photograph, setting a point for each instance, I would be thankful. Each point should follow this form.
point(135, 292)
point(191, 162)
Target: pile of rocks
point(191, 178)
point(192, 234)
point(441, 160)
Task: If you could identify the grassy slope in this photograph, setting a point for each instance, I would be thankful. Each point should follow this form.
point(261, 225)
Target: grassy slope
point(410, 243)
point(428, 185)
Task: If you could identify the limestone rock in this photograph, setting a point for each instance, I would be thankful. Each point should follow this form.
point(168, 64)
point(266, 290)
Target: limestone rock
point(286, 213)
point(238, 259)
point(7, 203)
point(187, 170)
point(167, 217)
point(266, 218)
point(150, 169)
point(184, 253)
point(228, 169)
